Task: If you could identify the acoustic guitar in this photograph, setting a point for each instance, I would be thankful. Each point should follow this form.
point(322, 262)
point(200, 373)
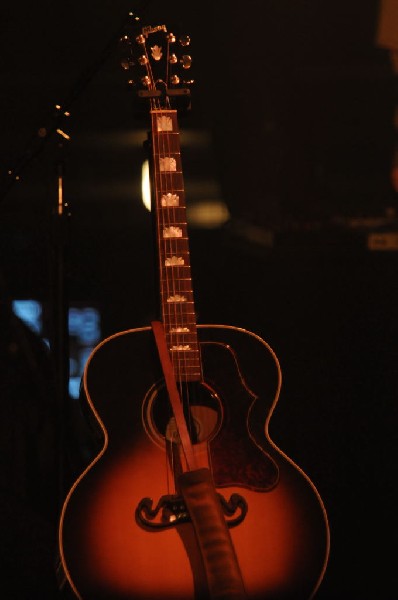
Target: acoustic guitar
point(189, 498)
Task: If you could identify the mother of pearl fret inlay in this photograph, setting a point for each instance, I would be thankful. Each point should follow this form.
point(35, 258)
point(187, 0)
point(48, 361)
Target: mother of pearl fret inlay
point(164, 123)
point(167, 163)
point(172, 232)
point(176, 298)
point(179, 330)
point(170, 199)
point(180, 347)
point(174, 261)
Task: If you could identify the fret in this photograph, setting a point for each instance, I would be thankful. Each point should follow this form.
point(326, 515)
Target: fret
point(168, 134)
point(175, 248)
point(165, 194)
point(174, 244)
point(174, 313)
point(175, 235)
point(176, 261)
point(183, 286)
point(173, 216)
point(181, 337)
point(183, 364)
point(187, 373)
point(167, 144)
point(180, 295)
point(172, 240)
point(174, 339)
point(184, 358)
point(183, 320)
point(169, 181)
point(175, 309)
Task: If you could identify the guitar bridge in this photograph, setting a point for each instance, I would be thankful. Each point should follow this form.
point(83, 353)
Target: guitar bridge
point(171, 511)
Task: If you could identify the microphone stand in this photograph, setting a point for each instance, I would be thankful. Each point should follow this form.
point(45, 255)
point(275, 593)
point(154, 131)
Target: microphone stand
point(60, 299)
point(60, 310)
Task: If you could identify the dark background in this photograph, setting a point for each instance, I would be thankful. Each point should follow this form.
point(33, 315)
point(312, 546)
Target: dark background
point(292, 127)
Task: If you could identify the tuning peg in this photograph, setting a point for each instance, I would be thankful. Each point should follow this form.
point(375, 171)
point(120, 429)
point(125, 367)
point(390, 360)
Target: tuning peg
point(173, 59)
point(184, 40)
point(127, 63)
point(171, 38)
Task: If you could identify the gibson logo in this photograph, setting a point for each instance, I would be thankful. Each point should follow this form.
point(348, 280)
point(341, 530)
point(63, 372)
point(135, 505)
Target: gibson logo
point(148, 29)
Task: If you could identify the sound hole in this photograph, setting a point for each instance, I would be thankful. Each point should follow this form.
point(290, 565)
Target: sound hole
point(202, 411)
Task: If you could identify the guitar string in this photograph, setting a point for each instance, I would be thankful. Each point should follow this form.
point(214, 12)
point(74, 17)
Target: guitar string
point(186, 312)
point(163, 216)
point(177, 246)
point(156, 195)
point(176, 308)
point(173, 211)
point(163, 274)
point(171, 182)
point(166, 146)
point(179, 306)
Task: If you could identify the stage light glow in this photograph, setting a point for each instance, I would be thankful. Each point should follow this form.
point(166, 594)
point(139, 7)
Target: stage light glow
point(145, 185)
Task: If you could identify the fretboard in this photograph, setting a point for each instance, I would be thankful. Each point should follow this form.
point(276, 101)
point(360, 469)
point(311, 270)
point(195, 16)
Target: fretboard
point(176, 293)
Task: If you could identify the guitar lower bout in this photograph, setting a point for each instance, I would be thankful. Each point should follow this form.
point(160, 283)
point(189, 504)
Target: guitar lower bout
point(125, 532)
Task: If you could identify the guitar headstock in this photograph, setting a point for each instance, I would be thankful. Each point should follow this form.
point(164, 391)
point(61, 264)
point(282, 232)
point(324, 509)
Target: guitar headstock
point(157, 63)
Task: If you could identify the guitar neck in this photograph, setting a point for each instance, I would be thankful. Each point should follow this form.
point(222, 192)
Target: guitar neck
point(176, 292)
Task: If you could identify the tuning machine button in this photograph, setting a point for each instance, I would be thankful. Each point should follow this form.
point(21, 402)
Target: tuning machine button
point(184, 40)
point(127, 63)
point(186, 61)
